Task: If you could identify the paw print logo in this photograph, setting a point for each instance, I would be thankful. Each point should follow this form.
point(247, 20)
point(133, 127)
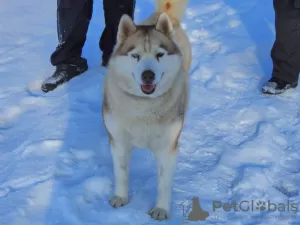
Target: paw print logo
point(261, 206)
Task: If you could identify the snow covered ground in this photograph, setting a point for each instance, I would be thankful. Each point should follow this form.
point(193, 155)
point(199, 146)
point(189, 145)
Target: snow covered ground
point(55, 162)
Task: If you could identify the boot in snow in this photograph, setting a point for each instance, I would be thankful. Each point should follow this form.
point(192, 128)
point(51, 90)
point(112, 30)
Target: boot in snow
point(276, 86)
point(62, 74)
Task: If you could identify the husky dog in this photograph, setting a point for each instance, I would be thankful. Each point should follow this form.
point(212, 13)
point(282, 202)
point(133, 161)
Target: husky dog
point(146, 95)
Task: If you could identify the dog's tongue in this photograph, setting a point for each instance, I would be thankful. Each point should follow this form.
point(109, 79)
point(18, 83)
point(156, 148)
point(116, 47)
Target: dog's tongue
point(148, 87)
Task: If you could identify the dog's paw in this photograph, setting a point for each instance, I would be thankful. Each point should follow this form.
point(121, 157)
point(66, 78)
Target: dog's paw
point(158, 214)
point(118, 202)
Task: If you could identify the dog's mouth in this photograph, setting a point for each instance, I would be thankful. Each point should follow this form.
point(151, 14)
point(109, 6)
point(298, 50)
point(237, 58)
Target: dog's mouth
point(148, 89)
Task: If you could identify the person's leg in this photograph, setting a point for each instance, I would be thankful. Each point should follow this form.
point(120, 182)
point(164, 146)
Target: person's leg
point(113, 11)
point(285, 53)
point(73, 18)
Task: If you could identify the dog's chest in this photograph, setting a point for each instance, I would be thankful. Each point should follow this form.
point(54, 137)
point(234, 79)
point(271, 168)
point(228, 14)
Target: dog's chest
point(146, 135)
point(139, 133)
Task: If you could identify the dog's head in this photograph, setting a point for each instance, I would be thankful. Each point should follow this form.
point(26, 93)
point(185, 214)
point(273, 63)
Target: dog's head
point(146, 59)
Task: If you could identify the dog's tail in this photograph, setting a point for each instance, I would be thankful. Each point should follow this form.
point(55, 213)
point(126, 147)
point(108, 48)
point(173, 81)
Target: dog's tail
point(174, 8)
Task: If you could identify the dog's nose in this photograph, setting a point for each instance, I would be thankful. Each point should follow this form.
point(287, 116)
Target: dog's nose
point(148, 76)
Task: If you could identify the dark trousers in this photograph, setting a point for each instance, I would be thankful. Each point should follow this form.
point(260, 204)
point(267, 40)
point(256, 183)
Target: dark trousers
point(286, 49)
point(73, 18)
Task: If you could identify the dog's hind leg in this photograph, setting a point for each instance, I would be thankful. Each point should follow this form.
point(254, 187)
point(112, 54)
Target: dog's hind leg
point(121, 156)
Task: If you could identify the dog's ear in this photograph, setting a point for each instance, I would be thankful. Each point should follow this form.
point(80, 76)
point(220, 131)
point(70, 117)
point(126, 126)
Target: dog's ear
point(164, 23)
point(126, 28)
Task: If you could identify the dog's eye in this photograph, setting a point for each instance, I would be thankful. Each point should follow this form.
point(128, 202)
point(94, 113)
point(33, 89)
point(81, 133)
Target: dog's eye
point(136, 56)
point(159, 55)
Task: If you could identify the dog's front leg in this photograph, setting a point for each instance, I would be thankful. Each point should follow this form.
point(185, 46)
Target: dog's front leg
point(121, 156)
point(166, 161)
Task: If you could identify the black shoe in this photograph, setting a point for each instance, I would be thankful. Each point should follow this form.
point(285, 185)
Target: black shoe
point(276, 86)
point(104, 63)
point(105, 60)
point(62, 74)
